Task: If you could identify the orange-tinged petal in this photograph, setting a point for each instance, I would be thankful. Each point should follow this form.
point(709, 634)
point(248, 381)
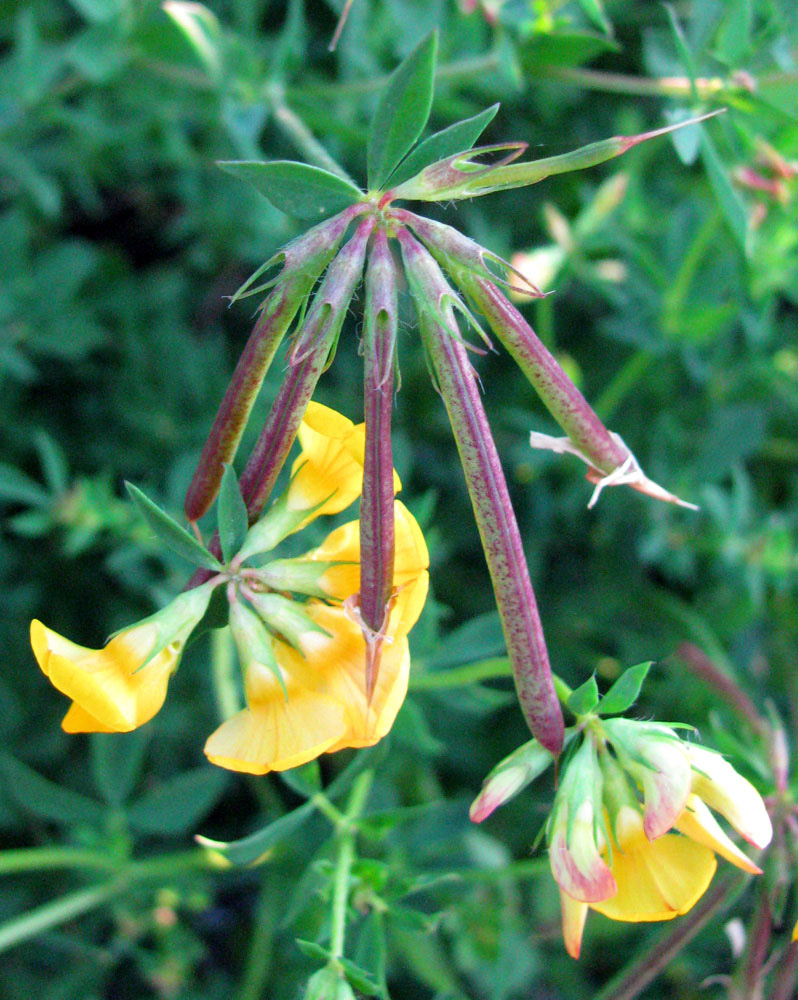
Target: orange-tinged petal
point(658, 881)
point(276, 734)
point(335, 666)
point(109, 684)
point(78, 720)
point(574, 914)
point(698, 823)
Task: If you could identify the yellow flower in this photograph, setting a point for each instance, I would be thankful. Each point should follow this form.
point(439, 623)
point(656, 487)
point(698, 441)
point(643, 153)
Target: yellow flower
point(326, 708)
point(656, 879)
point(329, 471)
point(304, 662)
point(123, 685)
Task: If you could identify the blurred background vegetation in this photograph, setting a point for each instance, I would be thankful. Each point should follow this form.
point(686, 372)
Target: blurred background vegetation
point(676, 277)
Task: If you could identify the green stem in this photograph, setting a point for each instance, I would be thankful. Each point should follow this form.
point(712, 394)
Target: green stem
point(74, 904)
point(463, 69)
point(347, 832)
point(26, 859)
point(619, 83)
point(261, 947)
point(702, 243)
point(228, 700)
point(469, 673)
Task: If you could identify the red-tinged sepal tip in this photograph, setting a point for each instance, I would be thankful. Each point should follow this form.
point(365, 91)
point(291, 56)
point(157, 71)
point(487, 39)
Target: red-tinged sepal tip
point(509, 777)
point(657, 760)
point(629, 141)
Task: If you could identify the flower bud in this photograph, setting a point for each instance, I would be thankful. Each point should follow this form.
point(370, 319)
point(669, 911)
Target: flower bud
point(328, 984)
point(509, 777)
point(657, 760)
point(716, 782)
point(284, 616)
point(575, 840)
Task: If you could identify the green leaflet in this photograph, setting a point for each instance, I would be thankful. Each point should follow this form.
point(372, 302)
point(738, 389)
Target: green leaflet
point(295, 188)
point(402, 112)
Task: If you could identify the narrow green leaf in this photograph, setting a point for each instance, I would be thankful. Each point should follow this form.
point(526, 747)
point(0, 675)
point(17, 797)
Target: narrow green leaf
point(402, 111)
point(200, 28)
point(585, 698)
point(54, 463)
point(43, 798)
point(729, 200)
point(295, 188)
point(683, 49)
point(249, 850)
point(179, 804)
point(116, 760)
point(734, 33)
point(454, 139)
point(360, 979)
point(313, 950)
point(625, 691)
point(171, 533)
point(16, 487)
point(304, 780)
point(232, 515)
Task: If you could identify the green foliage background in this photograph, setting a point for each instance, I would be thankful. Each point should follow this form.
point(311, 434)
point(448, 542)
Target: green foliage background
point(120, 239)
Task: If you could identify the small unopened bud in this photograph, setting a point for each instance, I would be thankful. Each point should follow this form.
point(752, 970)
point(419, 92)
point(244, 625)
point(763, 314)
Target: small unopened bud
point(328, 984)
point(300, 576)
point(510, 777)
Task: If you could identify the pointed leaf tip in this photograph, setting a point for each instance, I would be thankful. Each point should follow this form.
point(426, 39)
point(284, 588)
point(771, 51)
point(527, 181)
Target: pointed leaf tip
point(403, 110)
point(172, 534)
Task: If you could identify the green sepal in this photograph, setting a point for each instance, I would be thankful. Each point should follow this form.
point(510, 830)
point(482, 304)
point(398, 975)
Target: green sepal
point(456, 138)
point(277, 523)
point(300, 576)
point(232, 517)
point(297, 189)
point(625, 691)
point(172, 534)
point(285, 617)
point(253, 642)
point(585, 698)
point(403, 110)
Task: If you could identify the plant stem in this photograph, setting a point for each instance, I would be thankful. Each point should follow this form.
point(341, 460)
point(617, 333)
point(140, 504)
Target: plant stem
point(633, 981)
point(26, 859)
point(347, 831)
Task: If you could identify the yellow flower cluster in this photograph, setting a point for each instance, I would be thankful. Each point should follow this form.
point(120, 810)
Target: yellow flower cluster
point(321, 704)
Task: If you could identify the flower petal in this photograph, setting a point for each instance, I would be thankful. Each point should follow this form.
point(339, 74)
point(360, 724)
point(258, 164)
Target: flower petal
point(337, 665)
point(109, 684)
point(659, 881)
point(277, 734)
point(574, 914)
point(698, 823)
point(716, 782)
point(410, 578)
point(576, 864)
point(657, 759)
point(330, 467)
point(78, 720)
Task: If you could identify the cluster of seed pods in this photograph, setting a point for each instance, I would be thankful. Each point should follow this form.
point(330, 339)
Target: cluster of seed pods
point(448, 277)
